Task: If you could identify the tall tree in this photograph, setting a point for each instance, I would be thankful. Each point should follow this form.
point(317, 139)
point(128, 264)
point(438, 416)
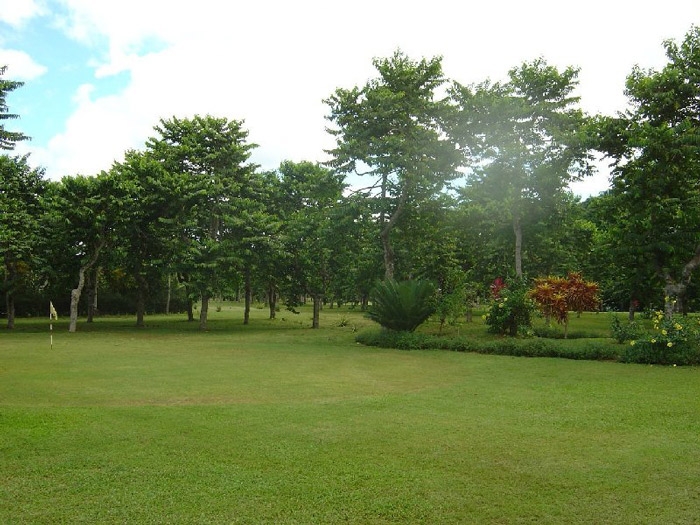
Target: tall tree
point(20, 206)
point(311, 222)
point(145, 224)
point(656, 180)
point(526, 142)
point(8, 138)
point(394, 128)
point(212, 155)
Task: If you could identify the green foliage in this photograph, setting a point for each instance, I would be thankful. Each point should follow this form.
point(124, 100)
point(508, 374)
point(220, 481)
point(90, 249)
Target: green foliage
point(655, 146)
point(395, 129)
point(455, 297)
point(525, 144)
point(625, 331)
point(8, 138)
point(21, 189)
point(216, 193)
point(510, 312)
point(402, 306)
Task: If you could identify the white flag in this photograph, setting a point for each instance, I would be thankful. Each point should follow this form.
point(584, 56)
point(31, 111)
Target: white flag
point(52, 311)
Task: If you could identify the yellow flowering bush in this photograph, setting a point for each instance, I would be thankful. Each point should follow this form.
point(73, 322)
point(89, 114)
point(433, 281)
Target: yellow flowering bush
point(670, 342)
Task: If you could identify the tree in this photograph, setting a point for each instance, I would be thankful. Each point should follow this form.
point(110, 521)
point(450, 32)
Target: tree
point(8, 138)
point(211, 154)
point(311, 219)
point(526, 141)
point(655, 147)
point(145, 223)
point(20, 190)
point(395, 128)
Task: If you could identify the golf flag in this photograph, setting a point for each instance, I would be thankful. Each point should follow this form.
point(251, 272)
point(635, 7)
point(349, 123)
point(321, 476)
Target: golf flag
point(52, 315)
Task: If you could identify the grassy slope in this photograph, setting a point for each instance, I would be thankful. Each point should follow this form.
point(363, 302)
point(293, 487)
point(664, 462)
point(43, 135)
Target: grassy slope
point(278, 423)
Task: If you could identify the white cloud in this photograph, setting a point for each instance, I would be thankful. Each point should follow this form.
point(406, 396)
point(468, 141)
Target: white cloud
point(272, 62)
point(18, 12)
point(20, 66)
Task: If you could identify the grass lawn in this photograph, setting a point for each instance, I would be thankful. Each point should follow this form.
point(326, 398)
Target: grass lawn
point(278, 423)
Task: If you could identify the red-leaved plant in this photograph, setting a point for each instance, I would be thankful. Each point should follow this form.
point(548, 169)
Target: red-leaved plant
point(557, 296)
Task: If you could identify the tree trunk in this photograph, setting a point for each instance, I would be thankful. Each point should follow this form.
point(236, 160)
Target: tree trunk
point(632, 309)
point(167, 297)
point(675, 290)
point(190, 313)
point(140, 300)
point(248, 297)
point(91, 283)
point(272, 300)
point(518, 231)
point(10, 276)
point(388, 253)
point(364, 303)
point(317, 310)
point(470, 314)
point(387, 227)
point(204, 310)
point(77, 292)
point(75, 299)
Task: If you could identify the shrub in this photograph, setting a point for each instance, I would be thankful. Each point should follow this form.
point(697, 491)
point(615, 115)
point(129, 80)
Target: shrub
point(508, 346)
point(672, 342)
point(625, 331)
point(555, 296)
point(401, 306)
point(511, 310)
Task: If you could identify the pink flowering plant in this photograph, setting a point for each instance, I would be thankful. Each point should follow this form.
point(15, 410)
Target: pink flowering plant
point(511, 308)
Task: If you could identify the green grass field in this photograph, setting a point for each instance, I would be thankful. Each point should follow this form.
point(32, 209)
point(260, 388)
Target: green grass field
point(277, 423)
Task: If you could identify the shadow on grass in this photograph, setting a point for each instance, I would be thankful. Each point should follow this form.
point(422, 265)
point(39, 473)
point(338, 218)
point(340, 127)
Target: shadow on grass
point(222, 323)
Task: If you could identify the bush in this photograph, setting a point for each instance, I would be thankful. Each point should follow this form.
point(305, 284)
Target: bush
point(511, 310)
point(508, 346)
point(401, 306)
point(625, 331)
point(671, 342)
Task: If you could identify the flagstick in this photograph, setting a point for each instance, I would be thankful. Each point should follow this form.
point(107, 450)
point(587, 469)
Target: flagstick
point(51, 331)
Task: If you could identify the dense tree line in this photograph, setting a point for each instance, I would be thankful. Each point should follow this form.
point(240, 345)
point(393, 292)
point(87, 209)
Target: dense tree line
point(466, 183)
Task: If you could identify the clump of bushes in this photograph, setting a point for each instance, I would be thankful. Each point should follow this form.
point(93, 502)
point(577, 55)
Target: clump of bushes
point(672, 341)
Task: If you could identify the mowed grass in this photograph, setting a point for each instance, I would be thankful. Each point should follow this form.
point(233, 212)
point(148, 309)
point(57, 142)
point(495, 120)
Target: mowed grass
point(277, 423)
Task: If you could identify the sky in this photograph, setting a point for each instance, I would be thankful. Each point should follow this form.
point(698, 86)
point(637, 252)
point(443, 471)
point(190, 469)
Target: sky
point(99, 75)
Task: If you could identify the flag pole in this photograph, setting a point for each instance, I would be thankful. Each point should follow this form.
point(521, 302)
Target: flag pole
point(52, 315)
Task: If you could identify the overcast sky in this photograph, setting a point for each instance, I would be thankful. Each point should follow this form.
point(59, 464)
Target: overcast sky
point(100, 74)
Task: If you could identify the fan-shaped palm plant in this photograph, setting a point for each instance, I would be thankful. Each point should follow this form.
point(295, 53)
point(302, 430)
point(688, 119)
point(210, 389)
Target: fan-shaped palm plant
point(402, 306)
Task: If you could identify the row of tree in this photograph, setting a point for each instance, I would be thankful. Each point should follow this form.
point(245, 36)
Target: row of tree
point(466, 183)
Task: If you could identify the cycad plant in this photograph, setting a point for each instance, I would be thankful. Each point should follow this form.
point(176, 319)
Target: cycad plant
point(402, 306)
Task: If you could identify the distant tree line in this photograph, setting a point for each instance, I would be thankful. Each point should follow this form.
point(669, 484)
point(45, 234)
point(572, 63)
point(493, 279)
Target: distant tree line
point(465, 184)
